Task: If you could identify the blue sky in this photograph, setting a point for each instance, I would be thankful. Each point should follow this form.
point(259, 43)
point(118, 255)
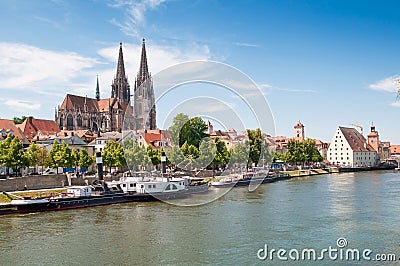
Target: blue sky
point(325, 63)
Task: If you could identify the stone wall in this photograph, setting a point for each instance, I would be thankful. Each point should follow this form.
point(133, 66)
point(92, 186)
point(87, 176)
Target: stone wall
point(33, 182)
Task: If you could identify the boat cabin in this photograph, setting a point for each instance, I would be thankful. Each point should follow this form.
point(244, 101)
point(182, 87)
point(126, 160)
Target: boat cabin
point(79, 191)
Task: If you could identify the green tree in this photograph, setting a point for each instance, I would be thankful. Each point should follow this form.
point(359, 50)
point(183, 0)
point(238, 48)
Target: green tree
point(60, 155)
point(32, 155)
point(190, 151)
point(185, 129)
point(44, 159)
point(20, 120)
point(221, 156)
point(75, 156)
point(12, 154)
point(208, 150)
point(84, 159)
point(175, 129)
point(154, 155)
point(301, 152)
point(255, 144)
point(175, 156)
point(135, 155)
point(240, 154)
point(113, 155)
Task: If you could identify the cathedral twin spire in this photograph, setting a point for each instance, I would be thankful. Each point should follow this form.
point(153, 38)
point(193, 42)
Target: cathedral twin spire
point(144, 102)
point(120, 89)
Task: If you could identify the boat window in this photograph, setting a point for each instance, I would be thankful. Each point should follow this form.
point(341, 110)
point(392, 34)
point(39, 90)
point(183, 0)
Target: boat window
point(123, 185)
point(168, 187)
point(131, 185)
point(174, 187)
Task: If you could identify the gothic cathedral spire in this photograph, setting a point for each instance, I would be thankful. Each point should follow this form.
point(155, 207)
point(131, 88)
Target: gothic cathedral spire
point(120, 89)
point(97, 89)
point(144, 99)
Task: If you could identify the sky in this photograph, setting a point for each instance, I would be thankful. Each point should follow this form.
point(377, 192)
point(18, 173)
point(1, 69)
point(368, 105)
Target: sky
point(324, 63)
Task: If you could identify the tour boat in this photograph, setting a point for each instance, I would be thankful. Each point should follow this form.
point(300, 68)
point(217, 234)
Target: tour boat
point(127, 189)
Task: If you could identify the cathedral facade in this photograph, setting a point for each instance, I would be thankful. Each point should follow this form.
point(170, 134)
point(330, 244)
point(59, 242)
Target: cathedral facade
point(114, 113)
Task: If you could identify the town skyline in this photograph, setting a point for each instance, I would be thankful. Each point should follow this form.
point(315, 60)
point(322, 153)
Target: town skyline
point(326, 65)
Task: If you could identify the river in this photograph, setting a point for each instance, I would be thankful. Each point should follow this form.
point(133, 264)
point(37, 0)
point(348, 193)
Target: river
point(302, 213)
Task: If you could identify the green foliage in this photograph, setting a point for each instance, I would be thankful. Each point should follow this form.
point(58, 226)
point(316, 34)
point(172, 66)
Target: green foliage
point(60, 155)
point(185, 129)
point(175, 156)
point(135, 155)
point(84, 159)
point(222, 154)
point(11, 153)
point(259, 149)
point(301, 152)
point(240, 154)
point(208, 150)
point(75, 156)
point(175, 129)
point(43, 157)
point(20, 120)
point(32, 154)
point(113, 154)
point(154, 155)
point(190, 151)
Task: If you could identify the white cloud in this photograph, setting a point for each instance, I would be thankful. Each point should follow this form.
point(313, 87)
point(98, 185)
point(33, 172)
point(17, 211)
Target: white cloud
point(19, 105)
point(158, 57)
point(26, 67)
point(387, 84)
point(243, 44)
point(134, 14)
point(276, 88)
point(395, 104)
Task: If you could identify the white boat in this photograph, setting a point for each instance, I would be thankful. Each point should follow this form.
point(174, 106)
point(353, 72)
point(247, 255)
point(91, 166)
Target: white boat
point(21, 202)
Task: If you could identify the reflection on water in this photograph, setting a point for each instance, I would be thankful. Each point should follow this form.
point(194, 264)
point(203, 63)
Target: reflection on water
point(300, 213)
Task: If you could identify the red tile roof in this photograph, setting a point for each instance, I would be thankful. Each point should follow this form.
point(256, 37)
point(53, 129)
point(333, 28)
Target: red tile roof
point(75, 102)
point(8, 125)
point(356, 141)
point(31, 126)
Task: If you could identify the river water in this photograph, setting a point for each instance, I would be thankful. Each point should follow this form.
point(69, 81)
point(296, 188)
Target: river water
point(302, 213)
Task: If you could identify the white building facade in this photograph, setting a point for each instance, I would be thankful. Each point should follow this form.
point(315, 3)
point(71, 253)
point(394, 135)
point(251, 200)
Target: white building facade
point(349, 148)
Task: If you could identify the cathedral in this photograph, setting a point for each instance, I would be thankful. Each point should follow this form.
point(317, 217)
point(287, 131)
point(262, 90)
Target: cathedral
point(111, 114)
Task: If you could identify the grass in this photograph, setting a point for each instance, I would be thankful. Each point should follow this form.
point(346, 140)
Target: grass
point(4, 198)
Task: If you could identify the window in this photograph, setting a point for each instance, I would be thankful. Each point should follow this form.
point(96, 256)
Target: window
point(123, 185)
point(130, 185)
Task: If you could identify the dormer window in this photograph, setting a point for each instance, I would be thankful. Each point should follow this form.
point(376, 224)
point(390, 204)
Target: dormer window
point(11, 133)
point(3, 133)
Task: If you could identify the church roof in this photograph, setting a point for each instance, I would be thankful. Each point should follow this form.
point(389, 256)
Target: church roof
point(75, 102)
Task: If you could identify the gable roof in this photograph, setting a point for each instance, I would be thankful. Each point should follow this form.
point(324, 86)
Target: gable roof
point(356, 141)
point(8, 125)
point(31, 126)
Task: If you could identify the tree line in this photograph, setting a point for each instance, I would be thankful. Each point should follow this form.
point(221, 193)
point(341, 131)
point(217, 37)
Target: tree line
point(13, 156)
point(300, 152)
point(191, 147)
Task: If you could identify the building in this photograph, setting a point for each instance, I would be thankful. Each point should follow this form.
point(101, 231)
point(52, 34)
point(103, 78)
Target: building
point(299, 131)
point(110, 114)
point(38, 129)
point(8, 128)
point(349, 148)
point(144, 99)
point(155, 138)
